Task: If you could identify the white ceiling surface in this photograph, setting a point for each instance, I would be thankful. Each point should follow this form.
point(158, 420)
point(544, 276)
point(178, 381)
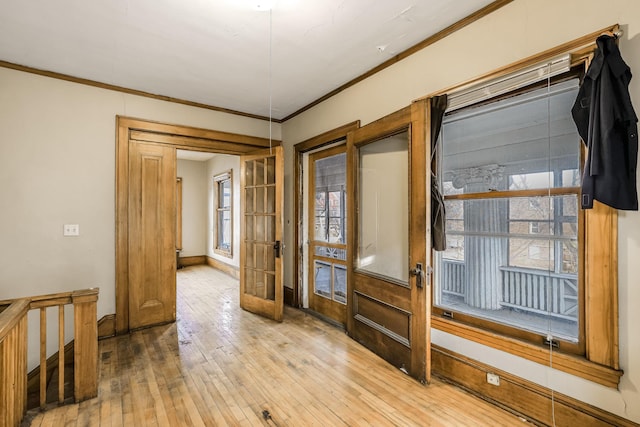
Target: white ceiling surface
point(217, 52)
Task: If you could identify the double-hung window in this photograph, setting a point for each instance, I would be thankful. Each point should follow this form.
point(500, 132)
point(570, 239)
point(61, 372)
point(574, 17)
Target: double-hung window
point(224, 213)
point(525, 270)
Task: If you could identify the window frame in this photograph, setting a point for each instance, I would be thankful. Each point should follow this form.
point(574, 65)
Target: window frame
point(510, 195)
point(599, 361)
point(219, 209)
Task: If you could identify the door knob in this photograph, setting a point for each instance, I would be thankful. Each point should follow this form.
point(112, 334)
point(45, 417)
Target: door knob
point(419, 273)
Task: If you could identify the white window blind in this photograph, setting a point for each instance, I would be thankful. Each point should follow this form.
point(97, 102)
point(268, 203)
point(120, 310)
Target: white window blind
point(488, 89)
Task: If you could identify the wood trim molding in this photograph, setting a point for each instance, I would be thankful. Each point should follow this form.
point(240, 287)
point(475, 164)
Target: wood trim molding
point(122, 89)
point(524, 398)
point(229, 269)
point(570, 364)
point(578, 47)
point(288, 296)
point(192, 260)
point(107, 326)
point(186, 137)
point(402, 55)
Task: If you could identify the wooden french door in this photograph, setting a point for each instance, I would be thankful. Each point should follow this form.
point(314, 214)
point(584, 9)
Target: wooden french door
point(327, 284)
point(261, 283)
point(152, 240)
point(390, 298)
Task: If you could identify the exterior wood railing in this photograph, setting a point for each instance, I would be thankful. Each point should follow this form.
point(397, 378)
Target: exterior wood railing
point(527, 289)
point(13, 349)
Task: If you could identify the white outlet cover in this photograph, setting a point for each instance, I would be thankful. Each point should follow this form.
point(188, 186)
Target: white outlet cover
point(71, 230)
point(493, 379)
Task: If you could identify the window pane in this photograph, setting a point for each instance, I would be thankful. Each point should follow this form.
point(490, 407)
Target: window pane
point(322, 279)
point(513, 261)
point(383, 182)
point(225, 191)
point(224, 229)
point(513, 144)
point(223, 211)
point(330, 184)
point(340, 283)
point(321, 216)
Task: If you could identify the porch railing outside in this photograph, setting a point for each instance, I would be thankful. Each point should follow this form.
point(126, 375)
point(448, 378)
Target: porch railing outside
point(527, 289)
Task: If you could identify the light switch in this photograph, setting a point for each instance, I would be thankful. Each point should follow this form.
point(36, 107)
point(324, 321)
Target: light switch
point(71, 230)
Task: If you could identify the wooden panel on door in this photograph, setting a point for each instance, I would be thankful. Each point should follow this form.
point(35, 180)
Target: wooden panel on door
point(152, 237)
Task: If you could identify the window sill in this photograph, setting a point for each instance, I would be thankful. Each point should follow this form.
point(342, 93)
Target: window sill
point(570, 364)
point(224, 253)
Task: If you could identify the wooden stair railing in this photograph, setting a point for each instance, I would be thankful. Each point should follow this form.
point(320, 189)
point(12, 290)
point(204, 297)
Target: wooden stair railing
point(13, 349)
point(13, 362)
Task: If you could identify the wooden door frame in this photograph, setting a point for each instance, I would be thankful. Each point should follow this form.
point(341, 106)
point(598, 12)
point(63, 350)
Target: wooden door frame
point(177, 136)
point(324, 139)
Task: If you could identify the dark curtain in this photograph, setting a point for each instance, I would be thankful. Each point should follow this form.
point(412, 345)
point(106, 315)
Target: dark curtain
point(438, 236)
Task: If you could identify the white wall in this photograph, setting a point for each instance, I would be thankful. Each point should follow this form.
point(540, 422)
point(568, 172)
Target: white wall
point(222, 163)
point(194, 207)
point(57, 166)
point(514, 32)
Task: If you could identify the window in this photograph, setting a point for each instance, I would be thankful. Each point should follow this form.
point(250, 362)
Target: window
point(523, 263)
point(495, 186)
point(510, 172)
point(224, 214)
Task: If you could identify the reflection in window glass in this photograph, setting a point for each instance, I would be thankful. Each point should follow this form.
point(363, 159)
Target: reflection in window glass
point(512, 258)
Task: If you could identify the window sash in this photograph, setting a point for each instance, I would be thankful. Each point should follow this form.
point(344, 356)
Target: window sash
point(224, 214)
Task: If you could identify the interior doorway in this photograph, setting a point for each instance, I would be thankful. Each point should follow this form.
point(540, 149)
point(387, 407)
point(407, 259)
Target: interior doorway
point(146, 210)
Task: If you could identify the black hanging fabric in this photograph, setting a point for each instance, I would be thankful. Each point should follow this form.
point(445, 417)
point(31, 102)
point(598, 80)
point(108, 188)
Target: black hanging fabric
point(607, 124)
point(438, 235)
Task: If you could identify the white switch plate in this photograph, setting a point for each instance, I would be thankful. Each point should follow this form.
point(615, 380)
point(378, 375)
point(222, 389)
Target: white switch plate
point(71, 230)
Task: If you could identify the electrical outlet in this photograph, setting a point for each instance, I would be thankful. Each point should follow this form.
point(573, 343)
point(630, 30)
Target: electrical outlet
point(71, 230)
point(493, 379)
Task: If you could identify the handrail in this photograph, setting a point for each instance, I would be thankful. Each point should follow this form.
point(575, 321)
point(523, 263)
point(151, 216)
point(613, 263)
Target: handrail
point(12, 315)
point(13, 349)
point(52, 300)
point(13, 362)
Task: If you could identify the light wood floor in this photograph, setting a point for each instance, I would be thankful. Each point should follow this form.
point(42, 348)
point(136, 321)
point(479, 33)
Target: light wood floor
point(219, 365)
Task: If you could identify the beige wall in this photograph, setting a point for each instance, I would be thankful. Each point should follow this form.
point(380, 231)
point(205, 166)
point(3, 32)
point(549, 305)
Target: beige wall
point(516, 31)
point(194, 207)
point(57, 166)
point(222, 163)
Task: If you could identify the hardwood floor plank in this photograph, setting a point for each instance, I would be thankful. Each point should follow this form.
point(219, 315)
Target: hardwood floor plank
point(221, 366)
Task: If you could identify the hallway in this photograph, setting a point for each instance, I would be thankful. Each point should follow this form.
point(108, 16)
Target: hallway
point(219, 365)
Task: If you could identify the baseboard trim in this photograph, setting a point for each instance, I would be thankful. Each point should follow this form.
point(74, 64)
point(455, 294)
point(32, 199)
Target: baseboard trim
point(191, 260)
point(224, 267)
point(288, 296)
point(107, 326)
point(517, 395)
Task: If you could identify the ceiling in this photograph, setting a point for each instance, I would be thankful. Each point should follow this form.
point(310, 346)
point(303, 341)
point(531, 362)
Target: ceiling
point(248, 56)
